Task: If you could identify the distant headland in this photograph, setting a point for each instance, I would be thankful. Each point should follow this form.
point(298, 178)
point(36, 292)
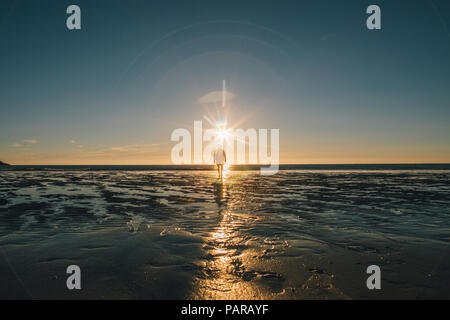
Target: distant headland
point(4, 164)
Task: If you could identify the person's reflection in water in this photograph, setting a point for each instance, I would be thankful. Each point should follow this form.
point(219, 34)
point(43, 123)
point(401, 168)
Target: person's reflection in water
point(219, 196)
point(224, 268)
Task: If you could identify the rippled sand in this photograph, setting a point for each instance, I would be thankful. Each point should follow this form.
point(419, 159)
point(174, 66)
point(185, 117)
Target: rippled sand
point(176, 235)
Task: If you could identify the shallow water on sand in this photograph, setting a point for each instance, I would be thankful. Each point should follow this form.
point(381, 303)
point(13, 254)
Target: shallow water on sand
point(176, 234)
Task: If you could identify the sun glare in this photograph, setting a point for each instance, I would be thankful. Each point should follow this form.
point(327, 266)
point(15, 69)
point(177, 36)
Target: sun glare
point(223, 134)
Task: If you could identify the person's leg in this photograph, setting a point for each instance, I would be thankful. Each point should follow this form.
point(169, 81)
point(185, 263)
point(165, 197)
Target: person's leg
point(221, 170)
point(218, 169)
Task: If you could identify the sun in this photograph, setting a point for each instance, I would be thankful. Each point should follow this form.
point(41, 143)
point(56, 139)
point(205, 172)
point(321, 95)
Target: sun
point(223, 134)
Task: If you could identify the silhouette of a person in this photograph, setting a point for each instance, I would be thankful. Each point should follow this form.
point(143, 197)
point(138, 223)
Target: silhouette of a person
point(220, 157)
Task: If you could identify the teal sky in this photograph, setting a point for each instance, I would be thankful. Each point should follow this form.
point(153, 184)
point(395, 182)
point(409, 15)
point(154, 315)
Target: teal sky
point(112, 92)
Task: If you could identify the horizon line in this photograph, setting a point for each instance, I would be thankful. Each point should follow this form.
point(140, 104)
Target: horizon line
point(241, 164)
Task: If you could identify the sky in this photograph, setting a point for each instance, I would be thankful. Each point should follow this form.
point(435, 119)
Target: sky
point(114, 91)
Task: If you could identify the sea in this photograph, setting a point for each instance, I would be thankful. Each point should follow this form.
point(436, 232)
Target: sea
point(180, 232)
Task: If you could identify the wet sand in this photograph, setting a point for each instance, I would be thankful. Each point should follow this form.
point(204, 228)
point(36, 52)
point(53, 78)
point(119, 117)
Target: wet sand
point(184, 235)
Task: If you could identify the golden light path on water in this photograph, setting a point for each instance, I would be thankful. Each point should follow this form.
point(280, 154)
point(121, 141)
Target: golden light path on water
point(223, 270)
point(229, 251)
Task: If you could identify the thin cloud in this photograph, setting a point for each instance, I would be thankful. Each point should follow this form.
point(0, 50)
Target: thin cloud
point(133, 148)
point(25, 143)
point(125, 150)
point(30, 141)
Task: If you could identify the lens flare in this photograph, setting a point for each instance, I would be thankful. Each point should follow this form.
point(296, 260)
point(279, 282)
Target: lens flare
point(221, 124)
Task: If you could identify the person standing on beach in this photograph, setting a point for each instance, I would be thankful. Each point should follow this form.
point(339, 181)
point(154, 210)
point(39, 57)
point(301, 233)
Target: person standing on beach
point(220, 157)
